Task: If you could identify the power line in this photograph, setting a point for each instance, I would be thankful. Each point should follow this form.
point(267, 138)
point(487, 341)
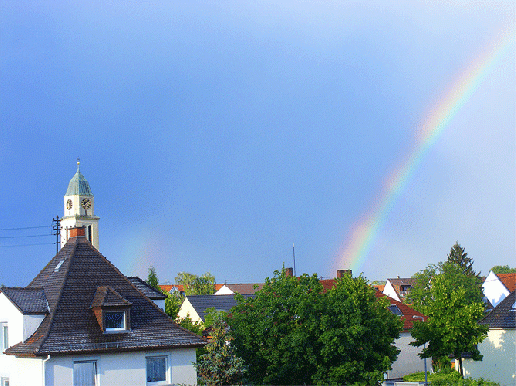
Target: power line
point(24, 245)
point(24, 228)
point(17, 237)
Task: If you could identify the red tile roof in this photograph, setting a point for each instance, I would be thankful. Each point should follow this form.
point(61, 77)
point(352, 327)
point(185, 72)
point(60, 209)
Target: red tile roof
point(409, 315)
point(508, 280)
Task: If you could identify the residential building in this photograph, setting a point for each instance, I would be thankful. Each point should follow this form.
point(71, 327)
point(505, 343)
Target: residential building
point(499, 348)
point(498, 286)
point(81, 322)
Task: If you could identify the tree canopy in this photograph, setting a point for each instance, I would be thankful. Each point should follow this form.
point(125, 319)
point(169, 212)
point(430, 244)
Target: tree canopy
point(196, 285)
point(451, 297)
point(503, 269)
point(293, 332)
point(152, 278)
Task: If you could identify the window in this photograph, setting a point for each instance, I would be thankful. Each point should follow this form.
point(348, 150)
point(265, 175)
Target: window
point(4, 381)
point(156, 369)
point(114, 320)
point(395, 310)
point(85, 373)
point(4, 337)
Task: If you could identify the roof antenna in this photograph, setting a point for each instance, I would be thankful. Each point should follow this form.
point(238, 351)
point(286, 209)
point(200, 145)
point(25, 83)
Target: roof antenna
point(294, 256)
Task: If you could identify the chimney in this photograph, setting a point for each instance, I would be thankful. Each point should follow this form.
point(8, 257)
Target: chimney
point(289, 272)
point(342, 272)
point(77, 232)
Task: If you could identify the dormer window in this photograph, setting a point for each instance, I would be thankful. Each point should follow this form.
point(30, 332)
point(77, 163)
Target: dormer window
point(111, 310)
point(114, 321)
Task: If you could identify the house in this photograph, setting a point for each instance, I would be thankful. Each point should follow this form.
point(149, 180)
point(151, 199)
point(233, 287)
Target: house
point(194, 306)
point(408, 360)
point(499, 348)
point(398, 288)
point(152, 293)
point(80, 321)
point(498, 286)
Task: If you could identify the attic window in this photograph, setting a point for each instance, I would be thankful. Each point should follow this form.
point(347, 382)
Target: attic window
point(115, 321)
point(395, 310)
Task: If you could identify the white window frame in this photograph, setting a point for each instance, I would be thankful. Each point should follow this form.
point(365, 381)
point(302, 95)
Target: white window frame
point(92, 361)
point(4, 381)
point(4, 336)
point(167, 380)
point(124, 321)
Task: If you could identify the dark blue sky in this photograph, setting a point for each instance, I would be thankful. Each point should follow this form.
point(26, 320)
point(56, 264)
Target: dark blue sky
point(216, 134)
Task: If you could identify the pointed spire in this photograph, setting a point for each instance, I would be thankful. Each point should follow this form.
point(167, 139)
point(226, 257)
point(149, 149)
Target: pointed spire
point(78, 164)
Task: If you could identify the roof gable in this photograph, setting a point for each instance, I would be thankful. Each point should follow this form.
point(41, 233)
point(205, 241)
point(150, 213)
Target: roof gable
point(85, 277)
point(146, 289)
point(201, 303)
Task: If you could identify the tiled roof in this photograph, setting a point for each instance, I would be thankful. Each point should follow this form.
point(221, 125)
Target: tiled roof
point(503, 315)
point(220, 302)
point(245, 289)
point(170, 287)
point(70, 281)
point(508, 280)
point(408, 314)
point(146, 289)
point(27, 300)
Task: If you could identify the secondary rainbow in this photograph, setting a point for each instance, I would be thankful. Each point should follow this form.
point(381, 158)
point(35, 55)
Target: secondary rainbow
point(363, 234)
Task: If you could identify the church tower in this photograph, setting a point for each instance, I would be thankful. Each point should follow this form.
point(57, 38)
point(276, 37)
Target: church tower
point(79, 210)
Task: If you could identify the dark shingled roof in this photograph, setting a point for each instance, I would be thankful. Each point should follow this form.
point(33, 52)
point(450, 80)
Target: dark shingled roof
point(70, 282)
point(146, 289)
point(220, 302)
point(503, 315)
point(27, 300)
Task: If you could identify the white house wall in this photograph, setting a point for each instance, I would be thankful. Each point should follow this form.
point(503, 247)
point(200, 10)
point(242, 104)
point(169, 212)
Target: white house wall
point(390, 291)
point(408, 360)
point(188, 311)
point(14, 318)
point(126, 369)
point(494, 289)
point(499, 358)
point(31, 324)
point(27, 371)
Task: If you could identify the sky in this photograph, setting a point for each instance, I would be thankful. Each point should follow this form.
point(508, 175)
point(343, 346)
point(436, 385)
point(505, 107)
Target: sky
point(216, 135)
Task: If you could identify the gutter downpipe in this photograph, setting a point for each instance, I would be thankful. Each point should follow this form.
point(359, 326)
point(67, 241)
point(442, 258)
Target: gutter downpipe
point(43, 365)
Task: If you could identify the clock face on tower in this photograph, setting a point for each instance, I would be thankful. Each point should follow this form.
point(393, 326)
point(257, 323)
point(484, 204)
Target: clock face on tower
point(86, 203)
point(69, 204)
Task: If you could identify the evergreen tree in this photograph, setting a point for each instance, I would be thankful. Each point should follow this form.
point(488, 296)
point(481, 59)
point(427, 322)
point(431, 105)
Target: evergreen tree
point(219, 365)
point(458, 256)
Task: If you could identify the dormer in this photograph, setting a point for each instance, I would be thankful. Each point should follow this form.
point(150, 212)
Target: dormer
point(111, 310)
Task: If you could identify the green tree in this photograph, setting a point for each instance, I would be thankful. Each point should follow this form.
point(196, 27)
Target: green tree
point(196, 285)
point(152, 279)
point(452, 300)
point(219, 365)
point(458, 256)
point(293, 332)
point(173, 303)
point(503, 269)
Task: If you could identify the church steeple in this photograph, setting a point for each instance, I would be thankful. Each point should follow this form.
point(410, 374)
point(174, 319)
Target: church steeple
point(79, 209)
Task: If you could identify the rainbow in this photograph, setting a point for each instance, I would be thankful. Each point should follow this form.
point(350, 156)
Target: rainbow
point(363, 234)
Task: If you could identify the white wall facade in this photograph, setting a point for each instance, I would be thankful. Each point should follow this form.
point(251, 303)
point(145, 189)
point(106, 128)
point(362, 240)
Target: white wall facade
point(126, 369)
point(494, 289)
point(408, 360)
point(390, 291)
point(14, 318)
point(188, 311)
point(499, 358)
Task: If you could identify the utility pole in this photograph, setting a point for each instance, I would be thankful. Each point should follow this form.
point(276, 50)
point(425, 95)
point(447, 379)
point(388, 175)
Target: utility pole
point(56, 227)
